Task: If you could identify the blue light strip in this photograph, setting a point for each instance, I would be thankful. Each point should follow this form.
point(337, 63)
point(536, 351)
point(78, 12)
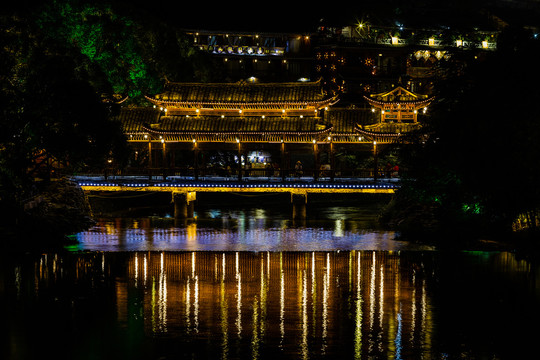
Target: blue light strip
point(237, 185)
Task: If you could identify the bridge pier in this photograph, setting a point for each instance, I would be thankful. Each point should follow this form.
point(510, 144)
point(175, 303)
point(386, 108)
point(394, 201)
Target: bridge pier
point(184, 204)
point(299, 202)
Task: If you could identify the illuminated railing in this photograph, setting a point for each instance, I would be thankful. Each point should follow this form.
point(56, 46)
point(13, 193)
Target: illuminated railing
point(238, 186)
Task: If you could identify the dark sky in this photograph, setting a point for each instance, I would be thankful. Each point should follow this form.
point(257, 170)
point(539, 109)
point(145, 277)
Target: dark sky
point(289, 16)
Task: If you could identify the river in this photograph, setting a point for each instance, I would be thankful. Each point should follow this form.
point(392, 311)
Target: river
point(247, 282)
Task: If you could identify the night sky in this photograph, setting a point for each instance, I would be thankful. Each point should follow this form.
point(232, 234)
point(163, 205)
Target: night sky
point(296, 16)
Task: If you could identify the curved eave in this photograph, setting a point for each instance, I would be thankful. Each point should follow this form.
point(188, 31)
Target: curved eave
point(359, 129)
point(419, 103)
point(245, 105)
point(299, 133)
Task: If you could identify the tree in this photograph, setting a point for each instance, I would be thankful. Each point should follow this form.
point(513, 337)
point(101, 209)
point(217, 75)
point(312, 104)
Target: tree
point(473, 164)
point(52, 118)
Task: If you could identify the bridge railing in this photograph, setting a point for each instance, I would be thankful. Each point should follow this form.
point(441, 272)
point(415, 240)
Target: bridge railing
point(266, 174)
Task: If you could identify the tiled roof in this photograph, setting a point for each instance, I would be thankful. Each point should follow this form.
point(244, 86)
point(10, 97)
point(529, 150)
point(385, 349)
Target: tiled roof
point(344, 121)
point(242, 93)
point(233, 124)
point(133, 119)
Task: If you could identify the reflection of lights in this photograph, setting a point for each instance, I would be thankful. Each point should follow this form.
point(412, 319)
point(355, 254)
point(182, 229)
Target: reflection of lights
point(326, 285)
point(224, 312)
point(203, 299)
point(413, 306)
point(238, 298)
point(338, 228)
point(305, 349)
point(191, 232)
point(136, 266)
point(397, 340)
point(381, 295)
point(281, 300)
point(372, 293)
point(358, 319)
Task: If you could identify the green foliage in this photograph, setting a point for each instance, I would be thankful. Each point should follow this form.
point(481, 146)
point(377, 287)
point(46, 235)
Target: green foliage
point(52, 118)
point(132, 54)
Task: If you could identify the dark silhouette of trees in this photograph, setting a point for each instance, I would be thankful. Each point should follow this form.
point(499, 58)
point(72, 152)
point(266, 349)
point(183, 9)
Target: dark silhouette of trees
point(473, 169)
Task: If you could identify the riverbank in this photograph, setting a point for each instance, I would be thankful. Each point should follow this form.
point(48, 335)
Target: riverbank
point(430, 224)
point(56, 210)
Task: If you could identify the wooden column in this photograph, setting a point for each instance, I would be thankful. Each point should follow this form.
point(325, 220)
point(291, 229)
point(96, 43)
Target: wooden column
point(150, 162)
point(315, 161)
point(164, 159)
point(332, 162)
point(196, 160)
point(375, 162)
point(283, 161)
point(239, 160)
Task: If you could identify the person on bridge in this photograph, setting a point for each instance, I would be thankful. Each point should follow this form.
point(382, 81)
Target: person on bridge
point(395, 171)
point(298, 170)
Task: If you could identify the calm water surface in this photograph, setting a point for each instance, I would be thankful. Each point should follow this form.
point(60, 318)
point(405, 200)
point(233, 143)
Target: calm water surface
point(333, 287)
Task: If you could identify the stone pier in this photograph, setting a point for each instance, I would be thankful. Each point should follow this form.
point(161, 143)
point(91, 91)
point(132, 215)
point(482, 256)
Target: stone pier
point(299, 203)
point(184, 204)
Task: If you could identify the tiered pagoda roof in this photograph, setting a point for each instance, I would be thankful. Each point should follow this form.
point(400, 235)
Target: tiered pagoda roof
point(398, 96)
point(245, 96)
point(252, 112)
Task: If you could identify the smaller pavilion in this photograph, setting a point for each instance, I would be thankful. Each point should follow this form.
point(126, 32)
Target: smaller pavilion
point(399, 105)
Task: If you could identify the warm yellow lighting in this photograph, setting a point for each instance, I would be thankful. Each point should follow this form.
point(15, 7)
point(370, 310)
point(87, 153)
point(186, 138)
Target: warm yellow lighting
point(197, 111)
point(431, 41)
point(484, 44)
point(329, 138)
point(222, 116)
point(372, 109)
point(459, 42)
point(237, 140)
point(194, 141)
point(314, 141)
point(394, 40)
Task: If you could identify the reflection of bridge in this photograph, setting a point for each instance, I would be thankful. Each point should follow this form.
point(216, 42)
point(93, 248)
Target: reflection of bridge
point(184, 189)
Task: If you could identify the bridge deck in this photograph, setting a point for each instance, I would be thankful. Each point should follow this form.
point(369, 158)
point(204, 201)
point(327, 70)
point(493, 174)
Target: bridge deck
point(215, 184)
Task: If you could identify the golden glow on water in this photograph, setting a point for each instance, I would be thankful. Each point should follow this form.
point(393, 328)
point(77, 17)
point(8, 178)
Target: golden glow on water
point(305, 288)
point(266, 305)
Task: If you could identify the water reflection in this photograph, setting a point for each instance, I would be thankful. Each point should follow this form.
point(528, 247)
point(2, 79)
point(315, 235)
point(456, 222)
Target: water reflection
point(242, 233)
point(259, 305)
point(303, 304)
